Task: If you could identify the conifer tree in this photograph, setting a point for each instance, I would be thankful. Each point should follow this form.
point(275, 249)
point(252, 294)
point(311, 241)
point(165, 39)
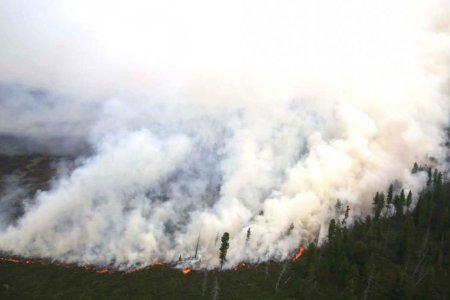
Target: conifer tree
point(399, 203)
point(346, 214)
point(408, 200)
point(376, 206)
point(332, 229)
point(389, 199)
point(435, 176)
point(390, 195)
point(429, 177)
point(224, 248)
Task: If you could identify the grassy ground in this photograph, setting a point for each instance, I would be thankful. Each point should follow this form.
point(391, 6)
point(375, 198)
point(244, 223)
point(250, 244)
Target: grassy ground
point(37, 281)
point(35, 171)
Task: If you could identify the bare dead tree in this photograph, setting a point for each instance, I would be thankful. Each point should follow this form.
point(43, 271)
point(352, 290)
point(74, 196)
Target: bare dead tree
point(283, 270)
point(216, 289)
point(421, 277)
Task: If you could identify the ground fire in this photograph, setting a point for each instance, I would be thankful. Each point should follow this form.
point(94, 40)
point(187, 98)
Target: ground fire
point(186, 271)
point(298, 254)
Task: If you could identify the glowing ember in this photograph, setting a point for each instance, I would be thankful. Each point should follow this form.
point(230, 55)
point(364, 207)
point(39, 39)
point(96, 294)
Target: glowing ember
point(145, 268)
point(186, 271)
point(298, 254)
point(12, 260)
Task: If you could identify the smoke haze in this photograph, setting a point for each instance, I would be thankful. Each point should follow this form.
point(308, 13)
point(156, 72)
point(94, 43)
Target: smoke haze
point(200, 116)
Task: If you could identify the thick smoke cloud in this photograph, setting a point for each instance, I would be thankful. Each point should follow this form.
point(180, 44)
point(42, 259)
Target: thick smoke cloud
point(207, 118)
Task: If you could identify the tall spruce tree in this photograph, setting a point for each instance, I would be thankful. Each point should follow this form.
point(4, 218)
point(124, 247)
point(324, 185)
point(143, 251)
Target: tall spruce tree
point(408, 200)
point(224, 248)
point(378, 204)
point(389, 198)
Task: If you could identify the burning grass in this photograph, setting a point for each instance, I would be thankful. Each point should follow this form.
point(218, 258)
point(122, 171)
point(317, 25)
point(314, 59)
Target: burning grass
point(106, 270)
point(152, 282)
point(298, 254)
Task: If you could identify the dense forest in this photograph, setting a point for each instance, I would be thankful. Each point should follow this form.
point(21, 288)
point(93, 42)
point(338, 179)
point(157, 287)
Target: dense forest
point(401, 251)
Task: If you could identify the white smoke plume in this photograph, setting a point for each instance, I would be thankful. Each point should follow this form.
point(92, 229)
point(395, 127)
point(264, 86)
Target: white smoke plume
point(203, 115)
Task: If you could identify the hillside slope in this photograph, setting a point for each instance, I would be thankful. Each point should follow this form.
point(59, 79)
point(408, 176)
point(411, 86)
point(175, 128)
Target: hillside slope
point(397, 254)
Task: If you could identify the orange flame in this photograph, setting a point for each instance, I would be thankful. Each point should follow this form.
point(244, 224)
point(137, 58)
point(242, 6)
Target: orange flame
point(186, 271)
point(103, 271)
point(298, 254)
point(157, 263)
point(14, 260)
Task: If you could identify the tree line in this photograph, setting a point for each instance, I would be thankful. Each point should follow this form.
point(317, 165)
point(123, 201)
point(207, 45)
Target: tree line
point(399, 252)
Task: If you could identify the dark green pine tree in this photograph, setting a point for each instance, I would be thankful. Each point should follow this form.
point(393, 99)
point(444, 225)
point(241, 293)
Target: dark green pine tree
point(415, 168)
point(435, 176)
point(430, 177)
point(399, 203)
point(249, 232)
point(378, 205)
point(389, 198)
point(224, 248)
point(437, 187)
point(346, 215)
point(408, 201)
point(332, 228)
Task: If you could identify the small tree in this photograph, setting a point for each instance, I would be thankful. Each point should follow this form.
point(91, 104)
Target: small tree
point(415, 169)
point(248, 235)
point(346, 214)
point(399, 203)
point(408, 200)
point(332, 229)
point(338, 207)
point(378, 204)
point(389, 198)
point(435, 176)
point(224, 248)
point(430, 177)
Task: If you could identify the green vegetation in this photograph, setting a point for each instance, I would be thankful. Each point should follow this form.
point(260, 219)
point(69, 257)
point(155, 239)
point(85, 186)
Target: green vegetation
point(398, 253)
point(224, 248)
point(34, 170)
